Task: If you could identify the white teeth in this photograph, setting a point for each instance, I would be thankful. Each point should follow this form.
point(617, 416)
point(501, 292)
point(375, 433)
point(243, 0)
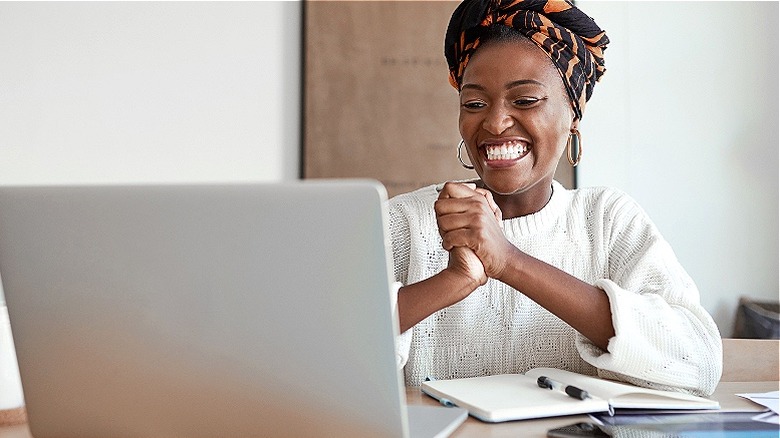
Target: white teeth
point(506, 151)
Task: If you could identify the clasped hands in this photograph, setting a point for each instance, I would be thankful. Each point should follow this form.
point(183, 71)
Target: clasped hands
point(469, 223)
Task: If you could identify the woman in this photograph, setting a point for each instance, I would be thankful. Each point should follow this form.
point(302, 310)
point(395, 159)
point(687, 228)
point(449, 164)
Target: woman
point(512, 271)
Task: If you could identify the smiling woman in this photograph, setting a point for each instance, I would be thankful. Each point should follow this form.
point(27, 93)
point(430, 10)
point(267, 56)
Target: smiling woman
point(511, 271)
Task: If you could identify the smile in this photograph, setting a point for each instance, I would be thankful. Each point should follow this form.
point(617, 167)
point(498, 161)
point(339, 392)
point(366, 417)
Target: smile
point(506, 151)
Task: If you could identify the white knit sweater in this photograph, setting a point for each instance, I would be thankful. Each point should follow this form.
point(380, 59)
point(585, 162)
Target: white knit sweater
point(663, 339)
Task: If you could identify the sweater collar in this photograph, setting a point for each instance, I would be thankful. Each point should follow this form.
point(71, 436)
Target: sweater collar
point(542, 219)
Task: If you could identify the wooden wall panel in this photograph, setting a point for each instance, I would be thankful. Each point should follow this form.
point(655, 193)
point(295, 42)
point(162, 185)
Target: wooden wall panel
point(378, 103)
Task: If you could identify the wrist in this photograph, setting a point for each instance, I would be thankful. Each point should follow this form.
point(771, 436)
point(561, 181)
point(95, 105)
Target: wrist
point(513, 266)
point(460, 282)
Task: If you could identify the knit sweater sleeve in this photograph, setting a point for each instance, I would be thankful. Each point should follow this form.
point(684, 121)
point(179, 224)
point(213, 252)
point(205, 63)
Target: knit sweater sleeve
point(664, 338)
point(400, 240)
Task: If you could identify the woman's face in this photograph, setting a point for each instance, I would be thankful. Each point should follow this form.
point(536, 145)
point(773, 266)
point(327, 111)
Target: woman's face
point(515, 117)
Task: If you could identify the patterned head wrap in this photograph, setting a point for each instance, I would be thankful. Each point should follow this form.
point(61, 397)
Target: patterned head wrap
point(571, 39)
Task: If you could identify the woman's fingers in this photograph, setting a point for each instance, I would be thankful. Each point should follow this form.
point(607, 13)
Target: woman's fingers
point(457, 190)
point(468, 217)
point(491, 202)
point(464, 206)
point(456, 238)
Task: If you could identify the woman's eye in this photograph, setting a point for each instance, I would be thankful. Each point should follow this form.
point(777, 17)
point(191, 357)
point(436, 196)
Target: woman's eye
point(527, 101)
point(473, 105)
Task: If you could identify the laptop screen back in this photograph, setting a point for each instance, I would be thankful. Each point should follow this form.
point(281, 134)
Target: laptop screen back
point(202, 310)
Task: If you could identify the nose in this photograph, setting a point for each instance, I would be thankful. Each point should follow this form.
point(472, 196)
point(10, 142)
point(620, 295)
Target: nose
point(498, 120)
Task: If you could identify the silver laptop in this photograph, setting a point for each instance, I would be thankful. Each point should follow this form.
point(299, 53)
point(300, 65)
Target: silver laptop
point(206, 310)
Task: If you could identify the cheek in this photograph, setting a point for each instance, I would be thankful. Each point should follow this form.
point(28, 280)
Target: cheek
point(555, 127)
point(548, 137)
point(465, 123)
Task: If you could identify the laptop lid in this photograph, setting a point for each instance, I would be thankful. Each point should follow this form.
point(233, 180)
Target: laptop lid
point(203, 310)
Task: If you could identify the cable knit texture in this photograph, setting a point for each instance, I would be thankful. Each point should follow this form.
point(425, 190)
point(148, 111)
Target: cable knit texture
point(664, 339)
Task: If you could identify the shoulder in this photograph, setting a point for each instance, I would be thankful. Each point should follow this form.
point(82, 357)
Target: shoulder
point(614, 215)
point(610, 202)
point(418, 200)
point(412, 210)
point(623, 225)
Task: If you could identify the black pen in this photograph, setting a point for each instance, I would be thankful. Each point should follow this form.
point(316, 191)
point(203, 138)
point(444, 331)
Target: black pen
point(571, 391)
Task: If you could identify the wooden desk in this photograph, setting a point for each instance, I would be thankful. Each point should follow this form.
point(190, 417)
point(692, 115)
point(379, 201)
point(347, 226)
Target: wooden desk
point(526, 428)
point(724, 393)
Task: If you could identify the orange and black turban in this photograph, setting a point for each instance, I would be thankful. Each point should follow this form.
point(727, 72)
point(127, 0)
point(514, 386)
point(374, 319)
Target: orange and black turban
point(571, 39)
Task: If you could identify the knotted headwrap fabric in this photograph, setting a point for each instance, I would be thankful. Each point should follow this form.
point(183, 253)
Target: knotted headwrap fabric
point(573, 41)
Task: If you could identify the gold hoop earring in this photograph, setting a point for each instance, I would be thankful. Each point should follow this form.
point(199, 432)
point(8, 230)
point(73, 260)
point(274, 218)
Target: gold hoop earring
point(460, 157)
point(574, 161)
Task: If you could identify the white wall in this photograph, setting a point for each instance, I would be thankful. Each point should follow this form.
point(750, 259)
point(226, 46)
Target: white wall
point(149, 91)
point(113, 92)
point(686, 121)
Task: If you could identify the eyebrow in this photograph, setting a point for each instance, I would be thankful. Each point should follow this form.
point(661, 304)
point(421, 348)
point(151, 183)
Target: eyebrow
point(507, 86)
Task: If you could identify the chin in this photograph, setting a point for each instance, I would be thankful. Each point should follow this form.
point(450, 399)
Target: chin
point(504, 188)
point(505, 185)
